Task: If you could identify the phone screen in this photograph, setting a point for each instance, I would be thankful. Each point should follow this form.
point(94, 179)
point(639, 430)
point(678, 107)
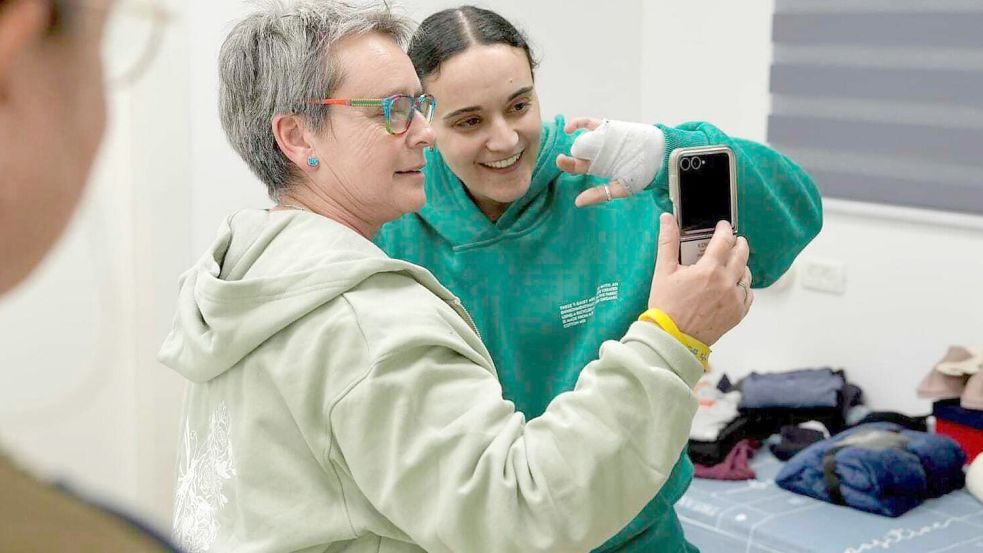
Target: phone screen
point(704, 191)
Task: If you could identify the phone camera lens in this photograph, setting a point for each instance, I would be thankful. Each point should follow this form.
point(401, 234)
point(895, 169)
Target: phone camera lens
point(684, 164)
point(696, 163)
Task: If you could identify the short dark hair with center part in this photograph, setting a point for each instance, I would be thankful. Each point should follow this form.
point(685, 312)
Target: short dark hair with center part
point(452, 31)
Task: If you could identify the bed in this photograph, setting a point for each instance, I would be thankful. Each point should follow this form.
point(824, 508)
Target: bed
point(756, 516)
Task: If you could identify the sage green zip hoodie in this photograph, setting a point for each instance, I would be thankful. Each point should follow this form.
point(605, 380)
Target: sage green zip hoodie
point(340, 400)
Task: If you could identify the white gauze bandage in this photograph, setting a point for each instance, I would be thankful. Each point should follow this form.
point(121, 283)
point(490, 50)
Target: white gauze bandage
point(631, 153)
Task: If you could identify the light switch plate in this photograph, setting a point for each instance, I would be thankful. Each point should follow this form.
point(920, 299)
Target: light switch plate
point(823, 275)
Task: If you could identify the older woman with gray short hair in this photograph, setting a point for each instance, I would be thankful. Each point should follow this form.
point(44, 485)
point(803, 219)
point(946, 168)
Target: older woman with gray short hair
point(340, 400)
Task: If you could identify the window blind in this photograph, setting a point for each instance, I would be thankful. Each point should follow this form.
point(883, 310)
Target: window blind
point(882, 100)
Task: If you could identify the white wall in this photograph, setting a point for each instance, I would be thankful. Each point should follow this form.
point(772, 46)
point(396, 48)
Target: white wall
point(85, 397)
point(707, 60)
point(913, 286)
point(914, 278)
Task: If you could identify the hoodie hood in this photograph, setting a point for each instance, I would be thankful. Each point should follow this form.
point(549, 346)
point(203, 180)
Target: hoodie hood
point(264, 271)
point(452, 213)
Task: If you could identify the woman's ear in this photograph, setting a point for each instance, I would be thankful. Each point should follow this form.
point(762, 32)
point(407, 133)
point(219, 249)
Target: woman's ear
point(22, 24)
point(291, 136)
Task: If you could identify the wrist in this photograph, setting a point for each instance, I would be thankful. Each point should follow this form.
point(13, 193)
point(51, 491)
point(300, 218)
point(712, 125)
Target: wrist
point(662, 319)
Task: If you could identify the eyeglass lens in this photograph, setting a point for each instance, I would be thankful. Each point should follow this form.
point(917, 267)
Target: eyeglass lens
point(402, 108)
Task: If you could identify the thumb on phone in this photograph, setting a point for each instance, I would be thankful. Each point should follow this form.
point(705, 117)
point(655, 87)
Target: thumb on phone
point(667, 256)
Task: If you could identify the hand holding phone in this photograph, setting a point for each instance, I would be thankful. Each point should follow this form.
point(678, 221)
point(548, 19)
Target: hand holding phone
point(706, 300)
point(703, 189)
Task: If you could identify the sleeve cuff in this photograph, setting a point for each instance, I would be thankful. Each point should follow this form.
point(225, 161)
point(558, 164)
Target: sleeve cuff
point(660, 349)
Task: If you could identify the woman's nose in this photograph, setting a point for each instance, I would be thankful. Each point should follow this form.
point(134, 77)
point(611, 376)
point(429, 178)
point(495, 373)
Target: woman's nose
point(420, 132)
point(503, 136)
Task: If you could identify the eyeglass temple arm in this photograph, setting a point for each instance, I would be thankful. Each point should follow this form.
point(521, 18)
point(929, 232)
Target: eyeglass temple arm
point(345, 102)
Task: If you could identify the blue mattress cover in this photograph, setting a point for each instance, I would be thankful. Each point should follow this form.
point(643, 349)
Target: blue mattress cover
point(757, 516)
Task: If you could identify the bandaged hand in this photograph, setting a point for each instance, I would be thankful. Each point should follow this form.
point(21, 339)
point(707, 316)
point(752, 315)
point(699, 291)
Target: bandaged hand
point(630, 154)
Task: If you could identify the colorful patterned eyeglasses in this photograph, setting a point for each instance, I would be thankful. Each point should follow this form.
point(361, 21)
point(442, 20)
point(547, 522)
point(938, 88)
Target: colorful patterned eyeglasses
point(397, 109)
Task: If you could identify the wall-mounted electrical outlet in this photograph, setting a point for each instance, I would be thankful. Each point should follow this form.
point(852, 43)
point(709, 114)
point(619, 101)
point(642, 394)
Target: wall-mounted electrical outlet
point(823, 275)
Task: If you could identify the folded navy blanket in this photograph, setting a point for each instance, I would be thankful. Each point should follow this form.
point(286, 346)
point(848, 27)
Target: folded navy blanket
point(880, 468)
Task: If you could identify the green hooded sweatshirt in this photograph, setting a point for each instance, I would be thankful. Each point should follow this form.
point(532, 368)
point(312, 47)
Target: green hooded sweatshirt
point(548, 282)
point(340, 401)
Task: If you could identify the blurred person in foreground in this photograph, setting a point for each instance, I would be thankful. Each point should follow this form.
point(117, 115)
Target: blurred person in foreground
point(52, 117)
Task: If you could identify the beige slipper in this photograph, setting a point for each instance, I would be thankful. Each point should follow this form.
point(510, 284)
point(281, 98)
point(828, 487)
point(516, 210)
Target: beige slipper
point(960, 360)
point(936, 385)
point(972, 395)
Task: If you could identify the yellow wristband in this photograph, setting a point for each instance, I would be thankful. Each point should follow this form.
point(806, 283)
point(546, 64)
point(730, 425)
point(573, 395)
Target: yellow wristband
point(664, 321)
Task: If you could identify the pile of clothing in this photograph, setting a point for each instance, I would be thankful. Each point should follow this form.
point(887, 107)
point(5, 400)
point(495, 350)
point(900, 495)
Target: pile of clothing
point(955, 382)
point(801, 407)
point(717, 430)
point(836, 449)
point(772, 400)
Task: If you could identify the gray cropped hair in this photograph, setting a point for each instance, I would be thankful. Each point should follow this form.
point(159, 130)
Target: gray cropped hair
point(278, 59)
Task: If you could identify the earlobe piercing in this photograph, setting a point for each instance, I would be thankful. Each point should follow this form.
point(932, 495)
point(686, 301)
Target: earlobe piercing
point(313, 161)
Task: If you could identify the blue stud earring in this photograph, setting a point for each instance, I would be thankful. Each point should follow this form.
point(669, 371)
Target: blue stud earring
point(313, 161)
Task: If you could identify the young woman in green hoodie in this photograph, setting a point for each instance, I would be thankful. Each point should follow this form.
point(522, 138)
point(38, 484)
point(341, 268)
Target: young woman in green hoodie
point(547, 280)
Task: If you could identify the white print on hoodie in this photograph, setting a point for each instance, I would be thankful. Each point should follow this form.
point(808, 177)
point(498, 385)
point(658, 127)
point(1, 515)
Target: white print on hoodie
point(203, 471)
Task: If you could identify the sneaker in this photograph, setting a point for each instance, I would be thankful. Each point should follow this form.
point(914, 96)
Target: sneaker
point(960, 360)
point(972, 396)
